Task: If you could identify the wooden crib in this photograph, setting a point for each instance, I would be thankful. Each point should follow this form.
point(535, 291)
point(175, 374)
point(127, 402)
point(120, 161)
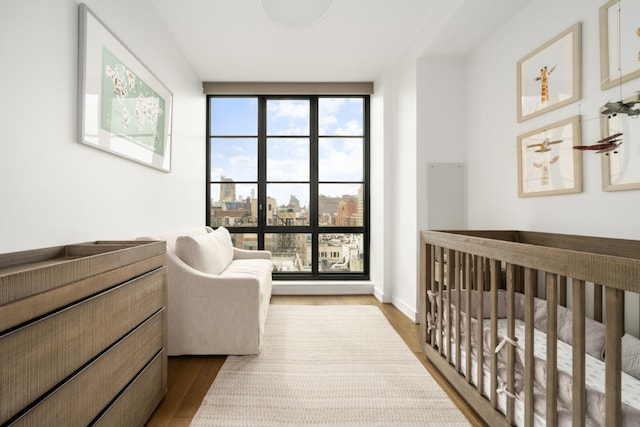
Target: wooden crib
point(589, 275)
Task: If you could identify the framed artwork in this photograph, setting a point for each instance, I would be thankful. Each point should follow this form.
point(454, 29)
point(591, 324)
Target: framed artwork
point(619, 42)
point(550, 76)
point(122, 107)
point(621, 167)
point(547, 162)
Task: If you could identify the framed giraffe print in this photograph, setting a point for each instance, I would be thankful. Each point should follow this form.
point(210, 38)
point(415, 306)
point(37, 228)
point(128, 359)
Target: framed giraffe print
point(550, 76)
point(547, 162)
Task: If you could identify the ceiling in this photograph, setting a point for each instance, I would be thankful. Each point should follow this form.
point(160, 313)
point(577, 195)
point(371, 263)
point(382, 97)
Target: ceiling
point(235, 40)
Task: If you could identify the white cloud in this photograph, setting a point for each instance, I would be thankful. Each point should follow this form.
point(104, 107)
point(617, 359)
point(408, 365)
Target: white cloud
point(330, 106)
point(288, 109)
point(341, 159)
point(352, 127)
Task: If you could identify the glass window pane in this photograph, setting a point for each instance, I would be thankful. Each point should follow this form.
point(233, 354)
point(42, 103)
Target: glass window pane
point(234, 158)
point(340, 159)
point(340, 253)
point(234, 116)
point(340, 205)
point(340, 116)
point(287, 204)
point(234, 205)
point(288, 117)
point(247, 241)
point(288, 159)
point(310, 152)
point(290, 252)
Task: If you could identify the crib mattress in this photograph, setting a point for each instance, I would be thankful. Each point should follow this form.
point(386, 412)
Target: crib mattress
point(594, 370)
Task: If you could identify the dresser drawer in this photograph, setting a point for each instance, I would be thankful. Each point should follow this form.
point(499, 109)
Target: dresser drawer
point(82, 397)
point(136, 404)
point(51, 298)
point(41, 354)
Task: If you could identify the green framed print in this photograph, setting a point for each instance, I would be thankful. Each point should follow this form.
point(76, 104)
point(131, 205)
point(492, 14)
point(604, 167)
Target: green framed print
point(122, 107)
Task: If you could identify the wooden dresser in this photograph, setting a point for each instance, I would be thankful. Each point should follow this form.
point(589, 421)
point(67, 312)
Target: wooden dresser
point(83, 334)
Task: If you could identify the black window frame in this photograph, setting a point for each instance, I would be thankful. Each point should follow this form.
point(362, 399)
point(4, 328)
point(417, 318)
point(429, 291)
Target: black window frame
point(313, 228)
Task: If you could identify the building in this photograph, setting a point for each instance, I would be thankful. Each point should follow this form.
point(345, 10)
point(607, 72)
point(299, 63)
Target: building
point(347, 212)
point(227, 190)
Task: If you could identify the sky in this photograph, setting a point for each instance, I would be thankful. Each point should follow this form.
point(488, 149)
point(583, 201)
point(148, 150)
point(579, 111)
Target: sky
point(340, 159)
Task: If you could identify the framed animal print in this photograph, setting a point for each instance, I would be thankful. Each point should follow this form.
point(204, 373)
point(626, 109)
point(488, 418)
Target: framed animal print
point(550, 76)
point(547, 162)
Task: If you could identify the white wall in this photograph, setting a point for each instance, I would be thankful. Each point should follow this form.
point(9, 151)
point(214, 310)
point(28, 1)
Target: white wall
point(56, 191)
point(441, 115)
point(428, 120)
point(492, 128)
point(381, 129)
point(462, 108)
point(400, 218)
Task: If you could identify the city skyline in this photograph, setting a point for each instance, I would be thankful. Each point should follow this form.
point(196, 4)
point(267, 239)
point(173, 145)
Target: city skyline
point(230, 200)
point(235, 153)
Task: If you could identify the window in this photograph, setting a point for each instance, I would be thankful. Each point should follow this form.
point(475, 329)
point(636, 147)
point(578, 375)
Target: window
point(290, 175)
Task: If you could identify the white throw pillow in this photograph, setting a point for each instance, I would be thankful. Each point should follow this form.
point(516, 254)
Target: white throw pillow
point(210, 253)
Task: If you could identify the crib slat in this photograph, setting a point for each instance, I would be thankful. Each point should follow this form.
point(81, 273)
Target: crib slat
point(495, 273)
point(459, 281)
point(597, 302)
point(487, 274)
point(511, 332)
point(467, 309)
point(426, 268)
point(519, 278)
point(579, 339)
point(530, 286)
point(451, 283)
point(552, 349)
point(562, 285)
point(479, 321)
point(613, 365)
point(438, 319)
point(432, 287)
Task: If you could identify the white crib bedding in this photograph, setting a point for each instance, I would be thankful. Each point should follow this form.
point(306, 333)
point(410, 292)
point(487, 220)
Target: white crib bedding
point(594, 369)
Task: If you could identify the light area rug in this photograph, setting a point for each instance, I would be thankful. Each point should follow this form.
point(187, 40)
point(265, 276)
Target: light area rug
point(327, 366)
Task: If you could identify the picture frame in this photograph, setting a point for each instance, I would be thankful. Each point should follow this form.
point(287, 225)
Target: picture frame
point(551, 76)
point(123, 108)
point(621, 167)
point(619, 42)
point(547, 162)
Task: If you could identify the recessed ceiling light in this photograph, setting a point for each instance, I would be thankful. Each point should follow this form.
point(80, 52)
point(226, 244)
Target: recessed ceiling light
point(296, 13)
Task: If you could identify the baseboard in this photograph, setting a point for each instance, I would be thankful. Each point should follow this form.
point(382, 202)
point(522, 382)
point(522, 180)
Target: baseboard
point(406, 309)
point(378, 294)
point(332, 287)
point(322, 288)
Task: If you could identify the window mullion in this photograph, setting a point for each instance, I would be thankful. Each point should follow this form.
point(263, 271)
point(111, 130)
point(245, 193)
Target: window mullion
point(262, 169)
point(313, 191)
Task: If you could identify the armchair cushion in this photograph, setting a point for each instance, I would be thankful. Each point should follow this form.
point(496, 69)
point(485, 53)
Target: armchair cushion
point(209, 253)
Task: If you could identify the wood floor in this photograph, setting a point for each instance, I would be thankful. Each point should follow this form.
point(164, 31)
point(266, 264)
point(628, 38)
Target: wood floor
point(190, 377)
